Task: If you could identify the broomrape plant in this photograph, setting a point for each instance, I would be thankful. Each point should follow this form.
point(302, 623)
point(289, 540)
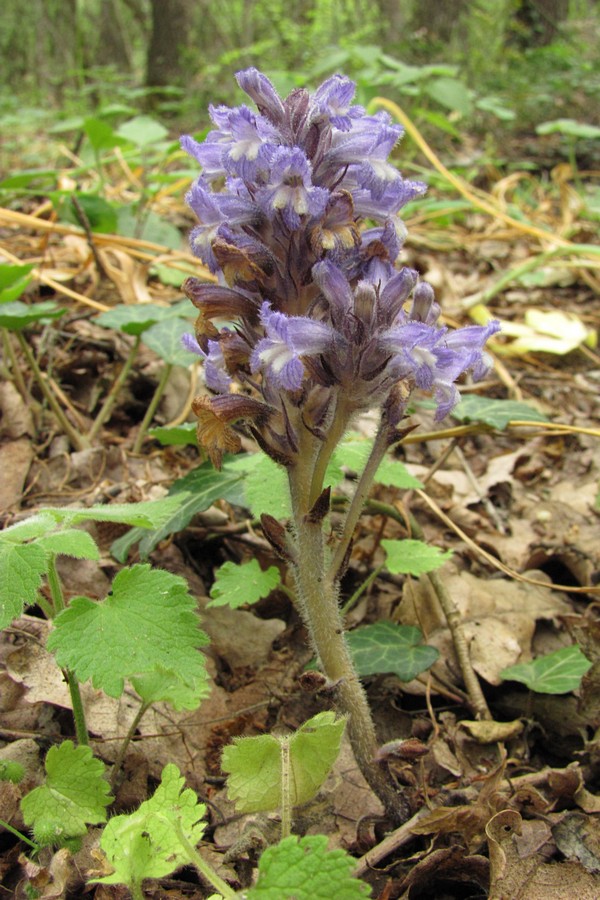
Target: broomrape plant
point(310, 323)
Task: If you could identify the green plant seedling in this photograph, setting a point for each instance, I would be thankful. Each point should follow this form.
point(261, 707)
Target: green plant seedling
point(237, 585)
point(268, 773)
point(409, 557)
point(495, 413)
point(555, 673)
point(572, 131)
point(75, 795)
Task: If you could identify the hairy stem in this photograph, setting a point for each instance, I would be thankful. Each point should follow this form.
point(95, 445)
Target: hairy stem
point(203, 867)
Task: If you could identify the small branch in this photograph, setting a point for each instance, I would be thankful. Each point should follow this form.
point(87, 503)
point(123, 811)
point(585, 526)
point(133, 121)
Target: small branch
point(112, 395)
point(19, 835)
point(203, 867)
point(77, 441)
point(78, 711)
point(156, 398)
point(126, 741)
point(286, 809)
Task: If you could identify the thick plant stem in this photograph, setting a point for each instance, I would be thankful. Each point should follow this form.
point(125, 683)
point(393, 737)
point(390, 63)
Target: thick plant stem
point(318, 601)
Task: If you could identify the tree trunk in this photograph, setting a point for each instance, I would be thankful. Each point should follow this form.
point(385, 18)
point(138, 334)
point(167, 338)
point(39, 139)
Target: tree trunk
point(166, 64)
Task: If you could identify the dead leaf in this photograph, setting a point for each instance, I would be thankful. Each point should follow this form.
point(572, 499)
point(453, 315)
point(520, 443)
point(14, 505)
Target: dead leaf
point(15, 459)
point(487, 732)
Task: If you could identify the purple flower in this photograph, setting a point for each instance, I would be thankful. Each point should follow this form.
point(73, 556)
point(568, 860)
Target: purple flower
point(288, 338)
point(290, 190)
point(215, 373)
point(332, 100)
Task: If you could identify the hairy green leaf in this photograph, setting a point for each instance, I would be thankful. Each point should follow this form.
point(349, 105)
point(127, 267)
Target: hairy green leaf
point(238, 584)
point(147, 624)
point(387, 647)
point(75, 794)
point(21, 569)
point(144, 844)
point(254, 764)
point(165, 339)
point(556, 673)
point(411, 557)
point(304, 869)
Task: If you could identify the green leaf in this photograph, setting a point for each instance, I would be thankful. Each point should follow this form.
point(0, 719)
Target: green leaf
point(144, 844)
point(33, 527)
point(168, 687)
point(101, 214)
point(168, 274)
point(451, 93)
point(100, 134)
point(142, 130)
point(497, 413)
point(134, 319)
point(387, 647)
point(21, 571)
point(70, 542)
point(556, 673)
point(410, 557)
point(146, 514)
point(188, 496)
point(175, 435)
point(265, 485)
point(238, 584)
point(393, 473)
point(17, 315)
point(254, 764)
point(75, 794)
point(154, 229)
point(165, 339)
point(13, 281)
point(570, 128)
point(304, 869)
point(147, 624)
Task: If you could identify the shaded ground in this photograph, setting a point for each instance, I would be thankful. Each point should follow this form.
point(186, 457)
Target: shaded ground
point(517, 507)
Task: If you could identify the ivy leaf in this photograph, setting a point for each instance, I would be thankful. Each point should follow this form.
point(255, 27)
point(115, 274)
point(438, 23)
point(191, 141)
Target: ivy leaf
point(497, 413)
point(146, 624)
point(13, 281)
point(254, 764)
point(387, 647)
point(409, 557)
point(75, 794)
point(21, 569)
point(556, 673)
point(236, 585)
point(144, 844)
point(304, 869)
point(175, 435)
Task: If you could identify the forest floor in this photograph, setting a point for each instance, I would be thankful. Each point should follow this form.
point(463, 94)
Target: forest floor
point(503, 808)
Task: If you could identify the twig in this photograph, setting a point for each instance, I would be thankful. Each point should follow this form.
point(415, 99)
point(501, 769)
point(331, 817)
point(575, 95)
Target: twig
point(492, 511)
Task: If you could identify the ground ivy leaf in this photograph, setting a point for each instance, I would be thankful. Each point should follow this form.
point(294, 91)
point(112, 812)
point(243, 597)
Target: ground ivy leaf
point(75, 794)
point(165, 339)
point(497, 413)
point(144, 844)
point(133, 319)
point(147, 622)
point(33, 527)
point(254, 764)
point(17, 315)
point(304, 869)
point(387, 647)
point(556, 673)
point(411, 557)
point(238, 584)
point(175, 435)
point(21, 570)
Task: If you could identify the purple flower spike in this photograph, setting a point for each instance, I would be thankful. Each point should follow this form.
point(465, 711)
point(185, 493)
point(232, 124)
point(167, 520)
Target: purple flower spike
point(288, 338)
point(215, 375)
point(333, 98)
point(259, 88)
point(290, 189)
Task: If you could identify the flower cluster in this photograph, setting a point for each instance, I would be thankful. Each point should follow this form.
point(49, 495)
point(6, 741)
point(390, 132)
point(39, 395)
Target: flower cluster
point(310, 314)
